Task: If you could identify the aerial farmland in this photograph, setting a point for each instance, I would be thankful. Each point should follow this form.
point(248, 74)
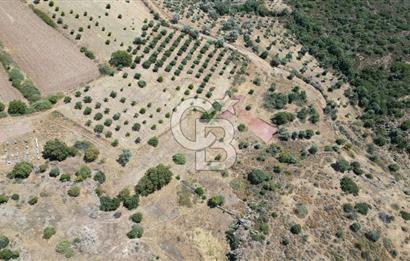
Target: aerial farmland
point(204, 130)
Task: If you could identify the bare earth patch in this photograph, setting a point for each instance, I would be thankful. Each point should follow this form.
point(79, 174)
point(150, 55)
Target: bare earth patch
point(48, 58)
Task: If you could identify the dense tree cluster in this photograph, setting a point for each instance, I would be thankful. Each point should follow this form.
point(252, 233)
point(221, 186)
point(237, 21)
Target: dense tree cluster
point(153, 180)
point(370, 31)
point(57, 150)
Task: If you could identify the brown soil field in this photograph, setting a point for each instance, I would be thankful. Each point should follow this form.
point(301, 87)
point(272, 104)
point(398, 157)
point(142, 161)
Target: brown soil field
point(7, 92)
point(99, 24)
point(48, 58)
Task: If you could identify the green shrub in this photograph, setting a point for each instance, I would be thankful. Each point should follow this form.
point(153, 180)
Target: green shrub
point(348, 208)
point(199, 191)
point(153, 142)
point(54, 172)
point(64, 247)
point(120, 59)
point(109, 204)
point(4, 241)
point(136, 232)
point(42, 105)
point(91, 154)
point(179, 159)
point(124, 157)
point(281, 118)
point(355, 227)
point(99, 177)
point(216, 201)
point(349, 186)
point(362, 208)
point(257, 176)
point(65, 177)
point(16, 77)
point(17, 107)
point(98, 128)
point(296, 229)
point(3, 199)
point(21, 170)
point(74, 191)
point(131, 202)
point(136, 217)
point(341, 165)
point(154, 179)
point(242, 127)
point(7, 254)
point(405, 215)
point(53, 99)
point(2, 106)
point(142, 83)
point(287, 157)
point(372, 235)
point(275, 101)
point(106, 69)
point(83, 173)
point(43, 16)
point(15, 196)
point(48, 232)
point(393, 167)
point(33, 200)
point(57, 150)
point(136, 127)
point(29, 91)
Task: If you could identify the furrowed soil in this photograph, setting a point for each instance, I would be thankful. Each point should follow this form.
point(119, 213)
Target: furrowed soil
point(47, 57)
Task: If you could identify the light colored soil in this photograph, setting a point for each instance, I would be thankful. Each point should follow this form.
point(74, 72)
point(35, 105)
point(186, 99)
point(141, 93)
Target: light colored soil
point(7, 92)
point(48, 58)
point(133, 15)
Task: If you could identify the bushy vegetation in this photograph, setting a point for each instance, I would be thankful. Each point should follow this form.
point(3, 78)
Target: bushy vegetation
point(295, 229)
point(100, 177)
point(179, 159)
point(349, 186)
point(121, 59)
point(4, 241)
point(7, 254)
point(83, 173)
point(21, 170)
point(43, 16)
point(154, 179)
point(65, 248)
point(216, 201)
point(57, 150)
point(3, 199)
point(357, 48)
point(17, 107)
point(91, 154)
point(48, 232)
point(109, 204)
point(74, 191)
point(124, 157)
point(257, 176)
point(226, 7)
point(106, 69)
point(136, 217)
point(136, 232)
